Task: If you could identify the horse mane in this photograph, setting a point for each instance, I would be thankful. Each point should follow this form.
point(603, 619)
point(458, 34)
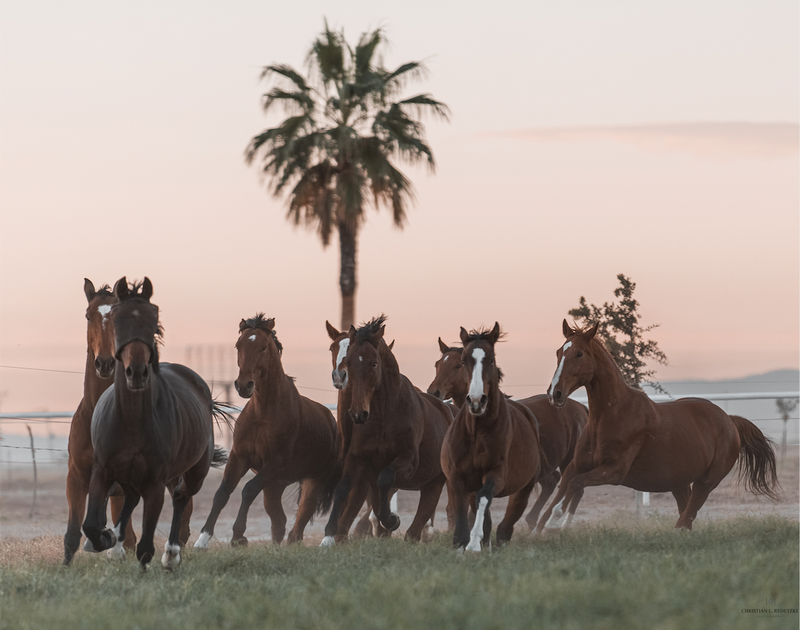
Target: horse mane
point(104, 291)
point(260, 322)
point(482, 334)
point(366, 331)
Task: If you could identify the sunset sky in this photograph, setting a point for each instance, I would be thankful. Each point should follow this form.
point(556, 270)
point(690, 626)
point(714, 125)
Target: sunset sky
point(587, 139)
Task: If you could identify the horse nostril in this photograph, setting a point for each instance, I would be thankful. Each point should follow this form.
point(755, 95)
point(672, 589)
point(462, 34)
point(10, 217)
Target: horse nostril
point(483, 399)
point(144, 372)
point(128, 372)
point(557, 395)
point(363, 416)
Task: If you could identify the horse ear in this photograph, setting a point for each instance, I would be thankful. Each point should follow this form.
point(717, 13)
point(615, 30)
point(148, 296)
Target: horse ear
point(121, 288)
point(147, 289)
point(332, 332)
point(352, 332)
point(443, 346)
point(592, 331)
point(495, 334)
point(88, 289)
point(379, 334)
point(270, 324)
point(464, 336)
point(565, 328)
point(391, 345)
point(242, 325)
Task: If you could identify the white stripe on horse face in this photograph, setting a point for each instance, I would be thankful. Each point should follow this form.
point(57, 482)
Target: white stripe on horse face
point(343, 344)
point(104, 310)
point(557, 375)
point(476, 384)
point(252, 337)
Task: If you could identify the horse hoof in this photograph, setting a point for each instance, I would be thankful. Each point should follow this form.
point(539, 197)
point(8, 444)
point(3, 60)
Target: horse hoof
point(328, 541)
point(239, 542)
point(428, 534)
point(88, 546)
point(392, 523)
point(171, 559)
point(202, 542)
point(117, 552)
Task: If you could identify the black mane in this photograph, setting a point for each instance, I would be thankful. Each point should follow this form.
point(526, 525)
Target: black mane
point(366, 331)
point(483, 334)
point(261, 322)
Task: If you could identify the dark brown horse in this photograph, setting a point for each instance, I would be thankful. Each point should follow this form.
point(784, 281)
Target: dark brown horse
point(685, 447)
point(151, 430)
point(492, 448)
point(282, 436)
point(559, 428)
point(97, 379)
point(395, 442)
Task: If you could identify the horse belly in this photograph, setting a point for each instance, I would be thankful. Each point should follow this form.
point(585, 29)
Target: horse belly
point(658, 471)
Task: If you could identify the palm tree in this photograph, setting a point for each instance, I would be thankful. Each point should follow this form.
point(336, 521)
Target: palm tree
point(335, 148)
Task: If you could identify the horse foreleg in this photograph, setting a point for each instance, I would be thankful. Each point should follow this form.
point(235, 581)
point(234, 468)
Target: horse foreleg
point(94, 524)
point(235, 469)
point(483, 501)
point(429, 495)
point(249, 493)
point(122, 524)
point(181, 499)
point(153, 502)
point(77, 489)
point(516, 508)
point(458, 498)
point(117, 502)
point(273, 506)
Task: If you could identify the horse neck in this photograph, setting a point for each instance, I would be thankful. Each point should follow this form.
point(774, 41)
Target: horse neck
point(607, 386)
point(93, 385)
point(134, 409)
point(391, 380)
point(274, 387)
point(459, 393)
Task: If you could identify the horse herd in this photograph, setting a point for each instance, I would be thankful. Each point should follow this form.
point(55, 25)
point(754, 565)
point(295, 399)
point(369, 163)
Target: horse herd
point(144, 427)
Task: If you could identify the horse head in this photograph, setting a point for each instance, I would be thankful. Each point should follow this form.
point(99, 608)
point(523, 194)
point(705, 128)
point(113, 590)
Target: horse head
point(451, 380)
point(479, 361)
point(364, 365)
point(256, 348)
point(576, 363)
point(100, 329)
point(136, 331)
point(338, 348)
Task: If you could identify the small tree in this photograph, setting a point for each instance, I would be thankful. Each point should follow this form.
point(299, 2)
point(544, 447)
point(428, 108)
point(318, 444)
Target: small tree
point(622, 335)
point(785, 407)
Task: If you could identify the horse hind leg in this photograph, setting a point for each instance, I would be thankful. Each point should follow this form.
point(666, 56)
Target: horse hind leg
point(77, 489)
point(429, 495)
point(682, 498)
point(548, 486)
point(310, 496)
point(516, 508)
point(122, 525)
point(697, 497)
point(117, 503)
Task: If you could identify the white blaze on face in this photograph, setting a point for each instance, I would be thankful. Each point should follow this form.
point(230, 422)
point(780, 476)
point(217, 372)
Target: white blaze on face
point(252, 337)
point(104, 310)
point(343, 344)
point(476, 384)
point(557, 375)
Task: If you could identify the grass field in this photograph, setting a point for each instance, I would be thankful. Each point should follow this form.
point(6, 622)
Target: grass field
point(637, 574)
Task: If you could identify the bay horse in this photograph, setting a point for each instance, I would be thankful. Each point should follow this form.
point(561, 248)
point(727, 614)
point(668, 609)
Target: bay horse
point(151, 430)
point(282, 436)
point(559, 427)
point(367, 525)
point(98, 377)
point(685, 447)
point(396, 438)
point(490, 450)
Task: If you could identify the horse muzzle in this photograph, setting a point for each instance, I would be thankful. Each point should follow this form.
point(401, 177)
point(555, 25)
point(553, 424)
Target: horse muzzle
point(246, 390)
point(359, 418)
point(137, 376)
point(104, 367)
point(436, 393)
point(557, 398)
point(339, 378)
point(477, 407)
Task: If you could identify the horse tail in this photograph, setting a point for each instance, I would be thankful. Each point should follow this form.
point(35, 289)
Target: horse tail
point(756, 459)
point(219, 457)
point(326, 498)
point(223, 414)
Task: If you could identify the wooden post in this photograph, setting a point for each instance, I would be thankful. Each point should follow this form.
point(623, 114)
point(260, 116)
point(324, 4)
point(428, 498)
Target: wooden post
point(35, 477)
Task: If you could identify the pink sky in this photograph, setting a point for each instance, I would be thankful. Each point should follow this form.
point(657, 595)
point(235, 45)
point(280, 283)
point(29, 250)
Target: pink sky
point(585, 141)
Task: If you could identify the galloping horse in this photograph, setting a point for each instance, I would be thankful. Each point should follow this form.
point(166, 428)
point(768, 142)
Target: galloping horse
point(152, 430)
point(283, 436)
point(686, 446)
point(97, 379)
point(559, 428)
point(491, 448)
point(395, 442)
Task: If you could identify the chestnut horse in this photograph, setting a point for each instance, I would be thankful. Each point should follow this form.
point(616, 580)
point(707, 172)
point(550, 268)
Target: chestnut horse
point(395, 442)
point(492, 447)
point(98, 378)
point(686, 446)
point(282, 436)
point(151, 430)
point(559, 428)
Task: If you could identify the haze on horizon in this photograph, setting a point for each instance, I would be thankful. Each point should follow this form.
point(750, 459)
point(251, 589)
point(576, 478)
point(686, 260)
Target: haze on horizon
point(656, 141)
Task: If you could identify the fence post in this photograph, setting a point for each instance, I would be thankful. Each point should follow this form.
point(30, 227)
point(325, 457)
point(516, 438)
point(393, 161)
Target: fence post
point(35, 477)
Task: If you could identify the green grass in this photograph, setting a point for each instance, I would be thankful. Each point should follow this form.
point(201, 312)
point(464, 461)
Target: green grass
point(644, 575)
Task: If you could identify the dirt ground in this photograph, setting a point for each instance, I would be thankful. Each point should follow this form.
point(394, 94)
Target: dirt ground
point(47, 524)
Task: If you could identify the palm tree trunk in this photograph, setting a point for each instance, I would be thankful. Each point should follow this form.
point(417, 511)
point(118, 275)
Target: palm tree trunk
point(347, 274)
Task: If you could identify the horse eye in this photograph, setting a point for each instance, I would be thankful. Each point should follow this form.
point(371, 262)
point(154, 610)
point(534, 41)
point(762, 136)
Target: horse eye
point(373, 364)
point(459, 366)
point(264, 349)
point(580, 354)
